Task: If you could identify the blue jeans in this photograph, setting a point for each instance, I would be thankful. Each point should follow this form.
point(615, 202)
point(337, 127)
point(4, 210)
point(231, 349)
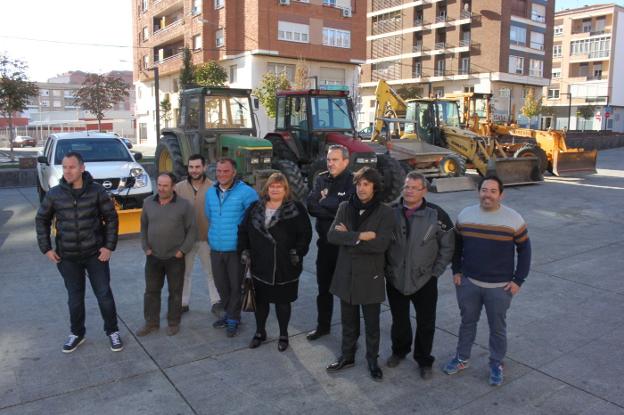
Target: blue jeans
point(73, 272)
point(471, 298)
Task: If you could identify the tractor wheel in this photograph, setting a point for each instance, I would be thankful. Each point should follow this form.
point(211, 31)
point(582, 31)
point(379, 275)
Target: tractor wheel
point(281, 151)
point(169, 157)
point(393, 177)
point(530, 150)
point(452, 165)
point(315, 169)
point(298, 188)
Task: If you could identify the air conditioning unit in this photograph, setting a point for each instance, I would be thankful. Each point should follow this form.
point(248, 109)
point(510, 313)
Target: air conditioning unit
point(284, 2)
point(346, 12)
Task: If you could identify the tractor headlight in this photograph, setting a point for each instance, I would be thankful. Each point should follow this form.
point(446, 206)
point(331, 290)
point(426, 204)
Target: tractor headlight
point(266, 160)
point(255, 160)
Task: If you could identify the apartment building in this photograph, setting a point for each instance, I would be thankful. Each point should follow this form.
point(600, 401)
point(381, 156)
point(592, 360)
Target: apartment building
point(55, 106)
point(248, 38)
point(587, 55)
point(502, 47)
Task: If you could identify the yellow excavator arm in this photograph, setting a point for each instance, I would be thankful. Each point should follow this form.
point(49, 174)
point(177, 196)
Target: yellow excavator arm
point(387, 101)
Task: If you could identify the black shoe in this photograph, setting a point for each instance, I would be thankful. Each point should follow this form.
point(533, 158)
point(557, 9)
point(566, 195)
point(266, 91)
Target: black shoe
point(282, 343)
point(340, 364)
point(375, 371)
point(394, 360)
point(426, 372)
point(116, 345)
point(317, 334)
point(257, 340)
point(185, 309)
point(217, 309)
point(72, 343)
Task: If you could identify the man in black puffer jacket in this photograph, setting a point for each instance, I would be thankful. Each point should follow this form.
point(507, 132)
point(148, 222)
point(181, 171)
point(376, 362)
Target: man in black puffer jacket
point(86, 234)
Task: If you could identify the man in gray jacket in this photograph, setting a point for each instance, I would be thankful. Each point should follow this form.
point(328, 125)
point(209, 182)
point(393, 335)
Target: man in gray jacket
point(167, 234)
point(422, 248)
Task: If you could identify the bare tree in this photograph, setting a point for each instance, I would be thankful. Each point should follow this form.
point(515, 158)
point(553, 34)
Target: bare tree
point(99, 93)
point(15, 89)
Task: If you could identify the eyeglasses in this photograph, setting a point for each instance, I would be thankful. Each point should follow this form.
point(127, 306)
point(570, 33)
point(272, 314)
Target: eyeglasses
point(414, 188)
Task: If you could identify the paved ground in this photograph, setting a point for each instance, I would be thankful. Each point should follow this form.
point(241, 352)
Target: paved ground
point(566, 330)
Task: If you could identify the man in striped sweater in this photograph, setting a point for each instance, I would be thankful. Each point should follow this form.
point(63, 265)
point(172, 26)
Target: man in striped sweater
point(487, 273)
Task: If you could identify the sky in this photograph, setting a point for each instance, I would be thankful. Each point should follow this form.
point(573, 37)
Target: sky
point(87, 35)
point(60, 31)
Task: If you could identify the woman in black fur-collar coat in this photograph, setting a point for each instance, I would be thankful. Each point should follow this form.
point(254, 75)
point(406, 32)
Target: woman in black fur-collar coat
point(273, 239)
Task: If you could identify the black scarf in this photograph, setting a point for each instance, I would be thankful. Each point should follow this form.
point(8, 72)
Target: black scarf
point(357, 206)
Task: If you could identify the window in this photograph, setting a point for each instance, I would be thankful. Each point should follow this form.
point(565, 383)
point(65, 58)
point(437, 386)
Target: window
point(538, 13)
point(556, 51)
point(597, 71)
point(553, 94)
point(45, 103)
point(516, 64)
point(517, 35)
point(233, 73)
point(504, 92)
point(197, 6)
point(44, 92)
point(332, 76)
point(331, 3)
point(537, 40)
point(587, 26)
point(583, 69)
point(56, 92)
point(68, 93)
point(594, 47)
point(145, 33)
point(219, 41)
point(600, 24)
point(143, 5)
point(278, 68)
point(145, 61)
point(440, 67)
point(218, 4)
point(556, 73)
point(336, 38)
point(293, 32)
point(536, 68)
point(558, 30)
point(438, 92)
point(56, 104)
point(464, 65)
point(197, 42)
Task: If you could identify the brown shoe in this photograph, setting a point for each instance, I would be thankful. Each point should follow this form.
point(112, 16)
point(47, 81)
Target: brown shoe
point(146, 329)
point(172, 330)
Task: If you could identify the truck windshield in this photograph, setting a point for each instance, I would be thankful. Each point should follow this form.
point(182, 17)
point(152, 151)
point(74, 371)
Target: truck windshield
point(448, 112)
point(331, 113)
point(93, 149)
point(227, 112)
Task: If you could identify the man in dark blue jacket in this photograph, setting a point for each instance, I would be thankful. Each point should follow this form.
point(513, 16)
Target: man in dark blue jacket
point(86, 234)
point(226, 203)
point(331, 188)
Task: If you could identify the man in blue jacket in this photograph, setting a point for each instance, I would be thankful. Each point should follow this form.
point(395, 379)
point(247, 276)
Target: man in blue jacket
point(225, 208)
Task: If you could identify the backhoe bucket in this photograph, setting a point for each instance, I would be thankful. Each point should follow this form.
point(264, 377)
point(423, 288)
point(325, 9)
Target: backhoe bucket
point(516, 171)
point(567, 163)
point(129, 221)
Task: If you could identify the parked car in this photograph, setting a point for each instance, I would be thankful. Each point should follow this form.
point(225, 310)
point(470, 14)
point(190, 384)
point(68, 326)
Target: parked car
point(106, 157)
point(24, 141)
point(366, 133)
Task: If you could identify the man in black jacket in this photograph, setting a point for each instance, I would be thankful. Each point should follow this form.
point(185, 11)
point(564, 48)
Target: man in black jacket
point(331, 188)
point(86, 234)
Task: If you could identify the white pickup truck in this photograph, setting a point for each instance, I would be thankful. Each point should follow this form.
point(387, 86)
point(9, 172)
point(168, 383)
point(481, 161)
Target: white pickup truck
point(108, 159)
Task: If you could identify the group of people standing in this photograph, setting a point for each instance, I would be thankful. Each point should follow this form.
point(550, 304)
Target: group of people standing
point(366, 248)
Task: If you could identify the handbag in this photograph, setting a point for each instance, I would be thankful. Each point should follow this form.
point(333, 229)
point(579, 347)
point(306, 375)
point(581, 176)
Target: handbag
point(249, 294)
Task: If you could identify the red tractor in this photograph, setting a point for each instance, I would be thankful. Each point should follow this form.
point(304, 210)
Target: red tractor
point(307, 123)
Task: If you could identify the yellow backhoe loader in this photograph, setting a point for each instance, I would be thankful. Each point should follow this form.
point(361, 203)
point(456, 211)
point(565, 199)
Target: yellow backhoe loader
point(548, 146)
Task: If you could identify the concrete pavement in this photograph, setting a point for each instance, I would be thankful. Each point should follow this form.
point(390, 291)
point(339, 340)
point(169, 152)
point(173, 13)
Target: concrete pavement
point(566, 330)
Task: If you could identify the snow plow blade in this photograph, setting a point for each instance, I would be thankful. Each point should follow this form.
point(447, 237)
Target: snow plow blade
point(567, 163)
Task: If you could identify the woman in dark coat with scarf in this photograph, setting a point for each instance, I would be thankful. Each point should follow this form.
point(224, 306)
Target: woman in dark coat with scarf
point(273, 239)
point(363, 231)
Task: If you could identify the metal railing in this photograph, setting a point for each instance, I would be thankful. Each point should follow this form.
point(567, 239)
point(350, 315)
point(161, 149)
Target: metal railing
point(440, 19)
point(465, 14)
point(464, 43)
point(598, 54)
point(440, 45)
point(169, 27)
point(417, 48)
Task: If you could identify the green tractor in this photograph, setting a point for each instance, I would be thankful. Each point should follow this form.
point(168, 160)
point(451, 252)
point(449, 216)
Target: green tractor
point(216, 122)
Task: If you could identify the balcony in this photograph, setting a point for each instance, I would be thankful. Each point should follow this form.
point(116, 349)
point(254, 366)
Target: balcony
point(440, 45)
point(538, 18)
point(159, 30)
point(537, 73)
point(598, 54)
point(465, 70)
point(417, 48)
point(441, 19)
point(464, 43)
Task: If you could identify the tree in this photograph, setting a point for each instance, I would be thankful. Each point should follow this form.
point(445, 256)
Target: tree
point(99, 93)
point(187, 74)
point(301, 74)
point(165, 110)
point(210, 74)
point(267, 91)
point(532, 106)
point(15, 89)
point(585, 112)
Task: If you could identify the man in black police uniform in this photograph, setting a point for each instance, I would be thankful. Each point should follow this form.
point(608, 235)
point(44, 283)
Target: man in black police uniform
point(330, 189)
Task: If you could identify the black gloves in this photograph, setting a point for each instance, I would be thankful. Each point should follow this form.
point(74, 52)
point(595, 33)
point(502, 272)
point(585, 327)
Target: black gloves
point(294, 258)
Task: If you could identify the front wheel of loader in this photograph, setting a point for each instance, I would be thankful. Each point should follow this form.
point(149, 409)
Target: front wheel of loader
point(298, 187)
point(393, 176)
point(534, 151)
point(169, 157)
point(452, 165)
